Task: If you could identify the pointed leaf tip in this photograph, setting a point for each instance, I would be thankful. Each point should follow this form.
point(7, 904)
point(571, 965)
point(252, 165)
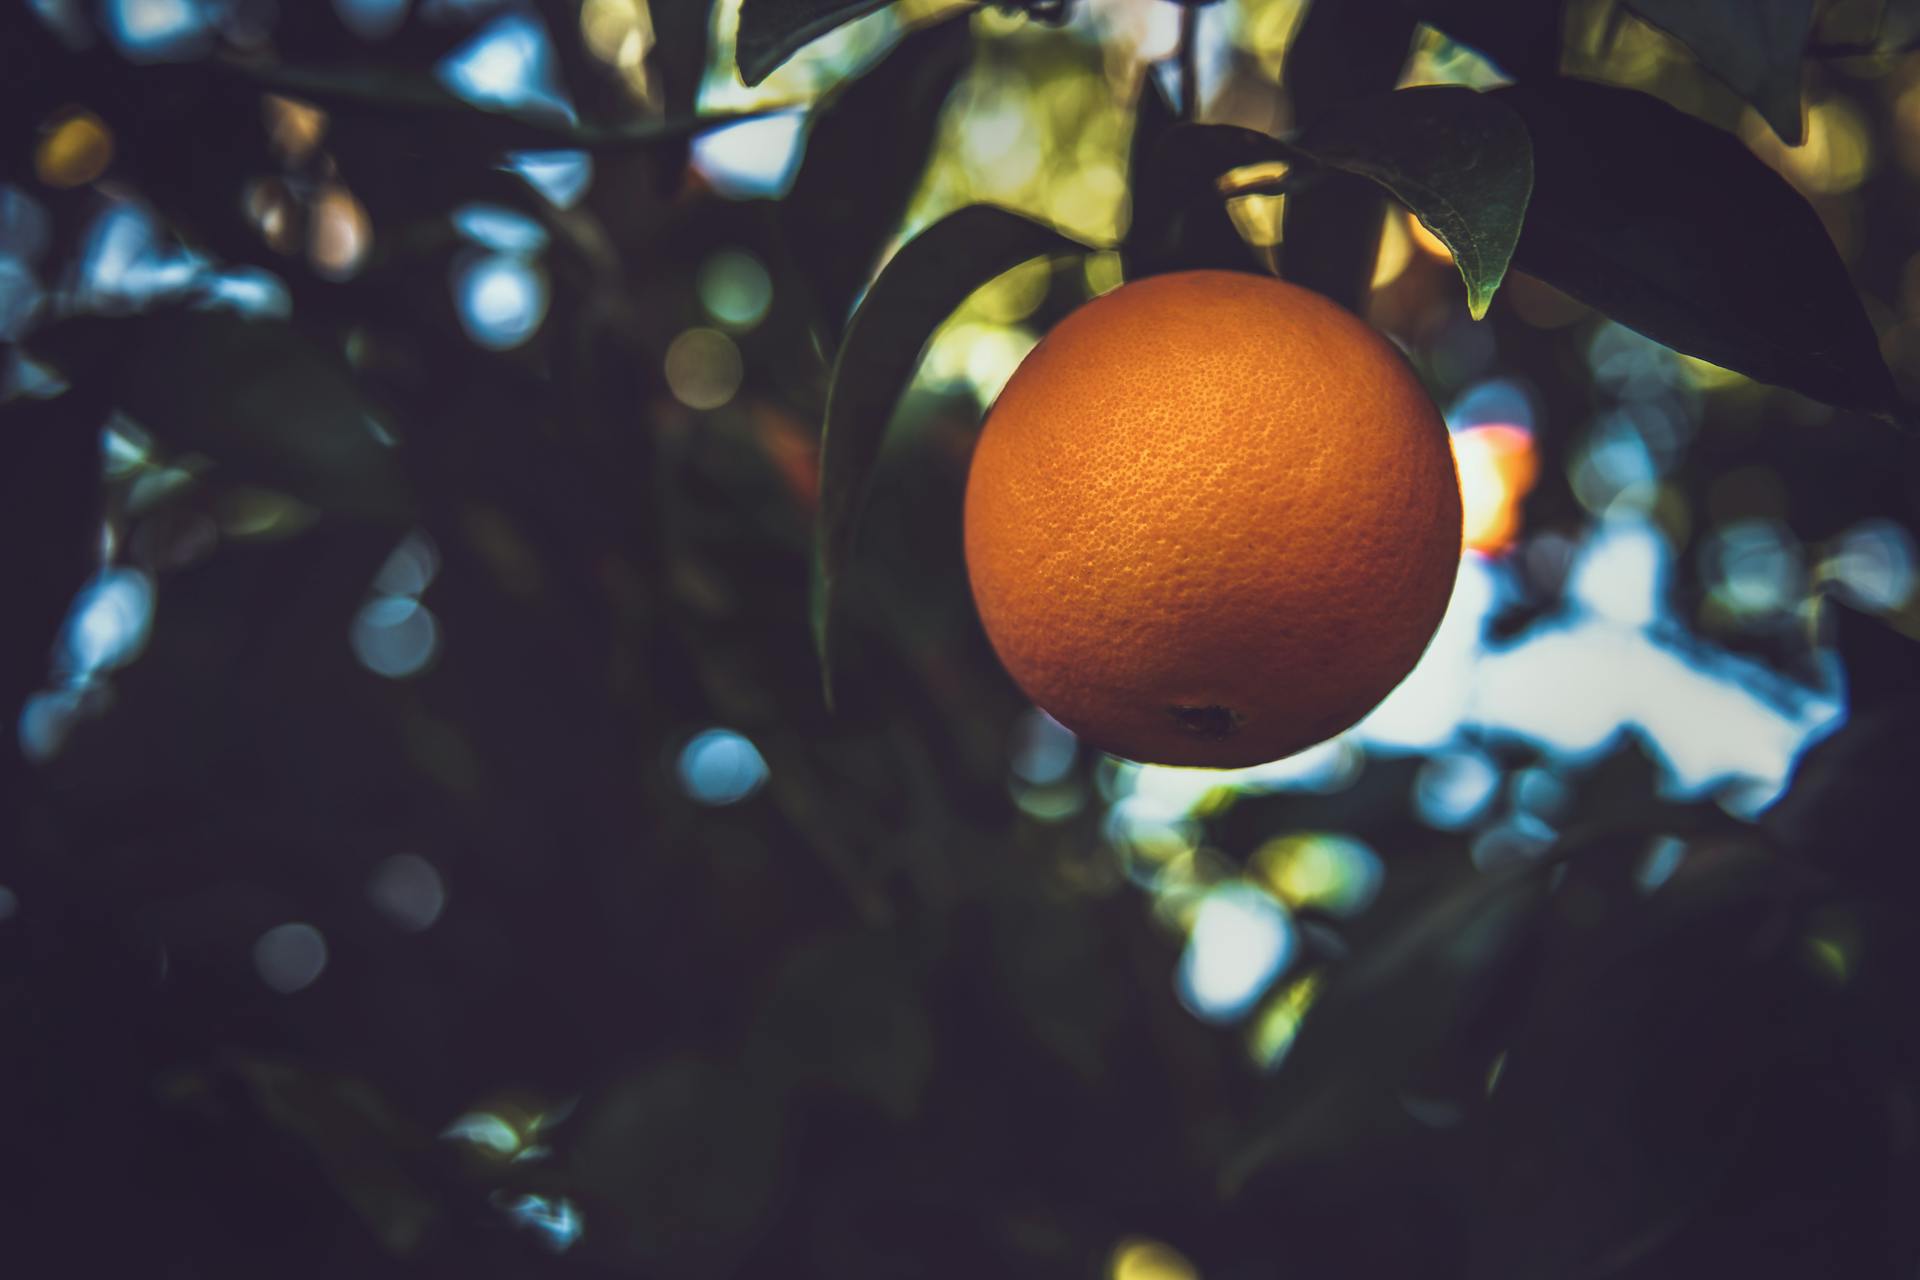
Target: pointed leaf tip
point(1461, 161)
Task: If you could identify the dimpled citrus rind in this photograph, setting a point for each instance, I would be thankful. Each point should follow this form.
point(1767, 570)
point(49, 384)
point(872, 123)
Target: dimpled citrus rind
point(1212, 520)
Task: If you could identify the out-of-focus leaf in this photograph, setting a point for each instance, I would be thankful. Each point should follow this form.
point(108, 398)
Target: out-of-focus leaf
point(255, 395)
point(771, 31)
point(366, 1149)
point(684, 1157)
point(1847, 807)
point(418, 95)
point(1674, 229)
point(865, 154)
point(1522, 37)
point(1460, 160)
point(1630, 1090)
point(931, 275)
point(1388, 1013)
point(845, 1014)
point(1752, 45)
point(681, 32)
point(1180, 220)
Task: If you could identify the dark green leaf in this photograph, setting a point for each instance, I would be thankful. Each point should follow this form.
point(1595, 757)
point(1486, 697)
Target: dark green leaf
point(1388, 1012)
point(1674, 229)
point(771, 31)
point(1848, 804)
point(255, 395)
point(690, 1149)
point(844, 1014)
point(865, 154)
point(1180, 220)
point(368, 1151)
point(1752, 45)
point(1460, 160)
point(1629, 1091)
point(930, 276)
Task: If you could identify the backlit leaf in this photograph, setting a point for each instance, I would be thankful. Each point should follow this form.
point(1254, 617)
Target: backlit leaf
point(1753, 45)
point(1460, 160)
point(1675, 229)
point(930, 276)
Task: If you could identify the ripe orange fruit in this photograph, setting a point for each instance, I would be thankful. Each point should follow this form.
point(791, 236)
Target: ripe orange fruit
point(1213, 519)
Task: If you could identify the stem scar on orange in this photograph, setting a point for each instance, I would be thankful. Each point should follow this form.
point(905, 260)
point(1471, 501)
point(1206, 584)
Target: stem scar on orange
point(1212, 520)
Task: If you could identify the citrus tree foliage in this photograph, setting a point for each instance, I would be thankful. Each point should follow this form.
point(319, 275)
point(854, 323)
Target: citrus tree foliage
point(314, 960)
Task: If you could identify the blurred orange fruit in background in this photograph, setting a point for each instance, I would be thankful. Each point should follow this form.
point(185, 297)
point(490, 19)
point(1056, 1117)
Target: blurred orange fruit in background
point(1212, 520)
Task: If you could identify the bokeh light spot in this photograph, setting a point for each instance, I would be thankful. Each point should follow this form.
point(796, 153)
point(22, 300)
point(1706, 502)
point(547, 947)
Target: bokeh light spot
point(394, 636)
point(553, 1219)
point(735, 289)
point(408, 891)
point(1873, 566)
point(502, 300)
point(1497, 466)
point(1277, 1025)
point(499, 228)
point(509, 64)
point(703, 368)
point(561, 177)
point(753, 158)
point(1241, 940)
point(410, 569)
point(339, 234)
point(719, 767)
point(1149, 1260)
point(159, 30)
point(371, 19)
point(9, 903)
point(45, 721)
point(108, 623)
point(74, 150)
point(1043, 749)
point(289, 957)
point(1454, 788)
point(1335, 874)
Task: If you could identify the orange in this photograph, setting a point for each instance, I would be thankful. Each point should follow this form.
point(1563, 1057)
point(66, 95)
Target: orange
point(1213, 519)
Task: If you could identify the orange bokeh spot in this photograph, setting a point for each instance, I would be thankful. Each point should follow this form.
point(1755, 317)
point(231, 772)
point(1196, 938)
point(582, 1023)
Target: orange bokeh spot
point(1497, 468)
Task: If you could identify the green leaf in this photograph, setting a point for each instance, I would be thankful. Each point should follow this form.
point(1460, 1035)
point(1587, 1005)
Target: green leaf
point(255, 395)
point(845, 1014)
point(689, 1150)
point(1389, 1013)
point(1180, 220)
point(930, 276)
point(1460, 160)
point(865, 153)
point(1754, 46)
point(1674, 229)
point(771, 31)
point(1632, 1088)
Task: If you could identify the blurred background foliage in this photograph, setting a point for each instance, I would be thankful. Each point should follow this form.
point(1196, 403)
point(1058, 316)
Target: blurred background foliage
point(426, 849)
